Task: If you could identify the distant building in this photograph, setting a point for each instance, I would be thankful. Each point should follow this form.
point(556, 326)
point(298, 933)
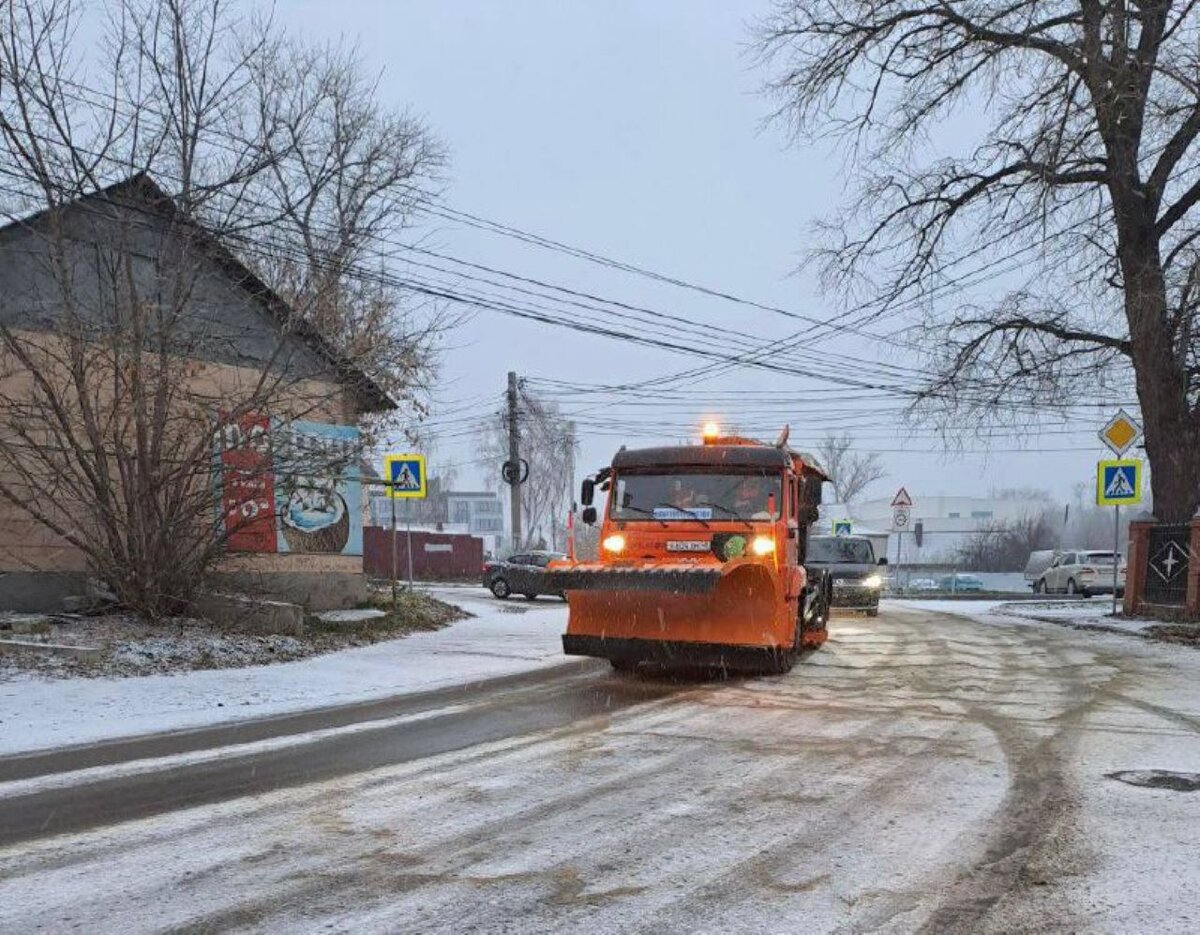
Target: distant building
point(946, 522)
point(479, 513)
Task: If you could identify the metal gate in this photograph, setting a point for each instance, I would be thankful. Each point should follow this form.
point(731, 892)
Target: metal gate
point(1167, 559)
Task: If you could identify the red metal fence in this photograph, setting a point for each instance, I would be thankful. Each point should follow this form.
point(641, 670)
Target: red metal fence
point(437, 556)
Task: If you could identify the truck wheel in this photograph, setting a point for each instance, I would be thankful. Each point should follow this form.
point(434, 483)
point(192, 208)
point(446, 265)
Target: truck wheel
point(873, 612)
point(815, 611)
point(500, 588)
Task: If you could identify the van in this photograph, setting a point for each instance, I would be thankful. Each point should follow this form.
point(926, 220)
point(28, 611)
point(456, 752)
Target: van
point(1038, 562)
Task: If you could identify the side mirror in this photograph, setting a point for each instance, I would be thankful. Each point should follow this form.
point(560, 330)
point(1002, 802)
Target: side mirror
point(587, 492)
point(589, 515)
point(883, 560)
point(812, 489)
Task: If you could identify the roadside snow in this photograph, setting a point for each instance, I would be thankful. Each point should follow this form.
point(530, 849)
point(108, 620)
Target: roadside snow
point(503, 639)
point(1085, 614)
point(962, 608)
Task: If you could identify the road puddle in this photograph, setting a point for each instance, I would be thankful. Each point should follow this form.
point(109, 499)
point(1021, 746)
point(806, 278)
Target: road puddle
point(1158, 779)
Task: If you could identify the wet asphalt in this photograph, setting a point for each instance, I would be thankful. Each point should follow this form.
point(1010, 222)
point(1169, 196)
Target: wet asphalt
point(474, 714)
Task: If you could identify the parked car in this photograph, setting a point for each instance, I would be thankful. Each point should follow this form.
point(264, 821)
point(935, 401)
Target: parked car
point(520, 573)
point(960, 583)
point(922, 584)
point(850, 562)
point(1082, 571)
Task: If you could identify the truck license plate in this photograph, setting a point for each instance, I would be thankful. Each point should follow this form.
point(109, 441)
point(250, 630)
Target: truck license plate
point(687, 545)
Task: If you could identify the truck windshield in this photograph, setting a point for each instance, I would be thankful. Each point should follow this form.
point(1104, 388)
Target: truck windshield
point(834, 549)
point(700, 497)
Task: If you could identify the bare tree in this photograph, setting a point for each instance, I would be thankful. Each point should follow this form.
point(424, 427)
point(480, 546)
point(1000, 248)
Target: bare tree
point(851, 472)
point(344, 180)
point(1079, 171)
point(1005, 545)
point(122, 374)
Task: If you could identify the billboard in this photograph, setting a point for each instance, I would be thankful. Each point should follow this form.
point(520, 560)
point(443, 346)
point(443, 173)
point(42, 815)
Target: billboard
point(290, 486)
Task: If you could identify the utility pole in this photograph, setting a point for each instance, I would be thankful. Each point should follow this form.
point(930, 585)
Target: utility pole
point(514, 459)
point(571, 488)
point(571, 466)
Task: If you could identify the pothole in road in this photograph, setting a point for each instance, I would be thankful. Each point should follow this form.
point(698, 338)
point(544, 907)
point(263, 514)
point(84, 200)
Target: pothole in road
point(1158, 779)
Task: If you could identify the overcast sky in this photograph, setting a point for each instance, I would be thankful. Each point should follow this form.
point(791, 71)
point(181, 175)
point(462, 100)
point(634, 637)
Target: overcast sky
point(636, 130)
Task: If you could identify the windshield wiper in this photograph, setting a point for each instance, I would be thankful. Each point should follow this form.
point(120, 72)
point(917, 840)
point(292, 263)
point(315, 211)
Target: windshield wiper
point(732, 513)
point(690, 511)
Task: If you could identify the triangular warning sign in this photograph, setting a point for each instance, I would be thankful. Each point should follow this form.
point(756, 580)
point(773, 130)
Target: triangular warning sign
point(1120, 484)
point(902, 498)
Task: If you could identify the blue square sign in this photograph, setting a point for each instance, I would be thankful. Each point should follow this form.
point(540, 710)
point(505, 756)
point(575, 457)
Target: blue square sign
point(1118, 483)
point(406, 475)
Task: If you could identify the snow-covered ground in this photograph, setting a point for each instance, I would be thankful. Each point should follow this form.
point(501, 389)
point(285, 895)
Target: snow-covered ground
point(918, 773)
point(502, 639)
point(1094, 614)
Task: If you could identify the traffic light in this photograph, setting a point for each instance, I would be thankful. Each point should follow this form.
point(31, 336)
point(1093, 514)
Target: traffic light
point(919, 532)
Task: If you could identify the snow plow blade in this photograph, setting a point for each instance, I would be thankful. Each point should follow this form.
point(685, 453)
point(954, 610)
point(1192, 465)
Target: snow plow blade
point(724, 616)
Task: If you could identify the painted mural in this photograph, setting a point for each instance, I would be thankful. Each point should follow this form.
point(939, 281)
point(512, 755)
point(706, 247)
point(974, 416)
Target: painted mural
point(297, 489)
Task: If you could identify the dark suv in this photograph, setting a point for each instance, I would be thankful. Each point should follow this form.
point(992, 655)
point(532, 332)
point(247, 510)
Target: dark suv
point(520, 573)
point(850, 562)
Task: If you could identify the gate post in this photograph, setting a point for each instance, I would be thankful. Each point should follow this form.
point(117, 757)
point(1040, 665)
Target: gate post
point(1135, 564)
point(1192, 604)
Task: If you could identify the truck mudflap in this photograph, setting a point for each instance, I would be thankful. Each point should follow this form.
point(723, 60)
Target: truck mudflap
point(670, 579)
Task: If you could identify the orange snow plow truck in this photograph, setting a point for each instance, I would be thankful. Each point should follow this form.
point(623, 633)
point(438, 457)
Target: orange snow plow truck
point(701, 558)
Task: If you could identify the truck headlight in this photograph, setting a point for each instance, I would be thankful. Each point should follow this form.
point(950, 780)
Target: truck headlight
point(614, 544)
point(873, 581)
point(763, 545)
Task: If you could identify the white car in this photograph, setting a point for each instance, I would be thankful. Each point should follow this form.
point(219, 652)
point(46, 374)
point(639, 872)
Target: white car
point(1083, 572)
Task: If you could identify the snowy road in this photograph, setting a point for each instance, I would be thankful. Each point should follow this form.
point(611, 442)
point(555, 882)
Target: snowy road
point(922, 771)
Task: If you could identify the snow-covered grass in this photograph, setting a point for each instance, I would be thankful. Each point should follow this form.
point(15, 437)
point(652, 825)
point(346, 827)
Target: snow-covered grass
point(502, 639)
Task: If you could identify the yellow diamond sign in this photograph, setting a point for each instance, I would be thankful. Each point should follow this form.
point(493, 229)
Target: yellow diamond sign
point(1120, 433)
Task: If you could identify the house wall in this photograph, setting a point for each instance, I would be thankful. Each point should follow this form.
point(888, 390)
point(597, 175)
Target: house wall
point(235, 339)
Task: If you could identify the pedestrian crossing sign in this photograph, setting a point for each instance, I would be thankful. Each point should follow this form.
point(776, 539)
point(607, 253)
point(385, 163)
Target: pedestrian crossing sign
point(405, 475)
point(842, 527)
point(1118, 483)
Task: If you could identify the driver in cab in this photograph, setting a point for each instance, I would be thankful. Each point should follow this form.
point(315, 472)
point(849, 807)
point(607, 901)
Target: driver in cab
point(752, 498)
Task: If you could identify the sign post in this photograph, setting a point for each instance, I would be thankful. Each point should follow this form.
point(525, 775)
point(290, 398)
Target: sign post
point(394, 596)
point(406, 480)
point(1119, 435)
point(901, 517)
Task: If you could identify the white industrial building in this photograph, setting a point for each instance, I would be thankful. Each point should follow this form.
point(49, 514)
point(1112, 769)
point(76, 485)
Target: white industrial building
point(946, 522)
